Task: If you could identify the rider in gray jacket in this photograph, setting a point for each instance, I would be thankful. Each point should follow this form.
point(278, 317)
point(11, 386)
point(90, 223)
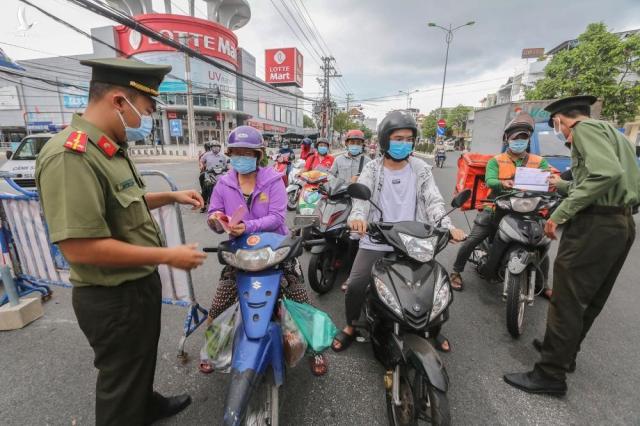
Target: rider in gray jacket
point(348, 166)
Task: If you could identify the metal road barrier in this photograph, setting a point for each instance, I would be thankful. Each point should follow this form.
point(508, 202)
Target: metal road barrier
point(37, 264)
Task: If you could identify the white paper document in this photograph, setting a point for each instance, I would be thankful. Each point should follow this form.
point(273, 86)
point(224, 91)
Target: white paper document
point(529, 179)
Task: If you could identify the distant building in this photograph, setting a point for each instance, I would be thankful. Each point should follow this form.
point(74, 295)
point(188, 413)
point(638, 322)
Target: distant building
point(371, 124)
point(355, 114)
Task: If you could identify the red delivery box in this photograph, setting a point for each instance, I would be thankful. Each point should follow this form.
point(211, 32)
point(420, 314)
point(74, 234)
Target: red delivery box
point(471, 170)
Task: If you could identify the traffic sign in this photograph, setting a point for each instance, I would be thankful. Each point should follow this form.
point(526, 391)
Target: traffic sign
point(175, 127)
point(441, 131)
point(442, 123)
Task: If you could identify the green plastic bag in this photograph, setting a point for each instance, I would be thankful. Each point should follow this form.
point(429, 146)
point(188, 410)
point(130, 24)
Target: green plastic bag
point(315, 325)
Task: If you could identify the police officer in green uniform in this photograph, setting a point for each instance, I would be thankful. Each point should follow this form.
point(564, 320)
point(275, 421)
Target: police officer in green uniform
point(599, 231)
point(98, 211)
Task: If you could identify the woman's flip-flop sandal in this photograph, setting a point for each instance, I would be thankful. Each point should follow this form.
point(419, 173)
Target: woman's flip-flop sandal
point(344, 339)
point(318, 364)
point(440, 340)
point(205, 367)
point(456, 281)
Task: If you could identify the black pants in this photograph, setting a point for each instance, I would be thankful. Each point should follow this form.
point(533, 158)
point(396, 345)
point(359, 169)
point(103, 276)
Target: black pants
point(358, 281)
point(483, 227)
point(122, 325)
point(591, 254)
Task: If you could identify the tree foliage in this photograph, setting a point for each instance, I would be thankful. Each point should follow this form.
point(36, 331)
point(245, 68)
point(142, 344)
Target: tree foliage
point(307, 122)
point(601, 65)
point(342, 122)
point(367, 132)
point(456, 119)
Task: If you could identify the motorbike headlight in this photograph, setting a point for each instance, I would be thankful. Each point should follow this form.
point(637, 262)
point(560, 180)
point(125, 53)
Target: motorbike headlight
point(387, 296)
point(421, 249)
point(441, 296)
point(255, 260)
point(524, 205)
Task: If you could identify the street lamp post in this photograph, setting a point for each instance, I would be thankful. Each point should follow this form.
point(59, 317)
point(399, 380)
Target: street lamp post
point(449, 38)
point(408, 93)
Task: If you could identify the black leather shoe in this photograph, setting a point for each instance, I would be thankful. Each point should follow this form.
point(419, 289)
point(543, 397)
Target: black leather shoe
point(536, 382)
point(169, 406)
point(537, 345)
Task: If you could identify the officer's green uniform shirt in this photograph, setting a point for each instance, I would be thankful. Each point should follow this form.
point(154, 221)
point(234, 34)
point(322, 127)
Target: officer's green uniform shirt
point(604, 168)
point(92, 195)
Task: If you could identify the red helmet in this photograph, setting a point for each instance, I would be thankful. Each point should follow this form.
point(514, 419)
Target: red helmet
point(355, 134)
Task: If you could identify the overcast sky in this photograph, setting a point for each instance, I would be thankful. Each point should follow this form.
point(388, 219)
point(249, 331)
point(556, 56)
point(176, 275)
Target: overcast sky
point(380, 47)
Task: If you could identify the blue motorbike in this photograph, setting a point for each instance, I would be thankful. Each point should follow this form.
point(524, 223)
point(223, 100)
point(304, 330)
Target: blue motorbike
point(257, 366)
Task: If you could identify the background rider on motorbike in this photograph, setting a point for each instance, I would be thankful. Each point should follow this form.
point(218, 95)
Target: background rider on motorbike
point(306, 148)
point(285, 149)
point(321, 159)
point(210, 159)
point(349, 165)
point(499, 177)
point(404, 188)
point(261, 191)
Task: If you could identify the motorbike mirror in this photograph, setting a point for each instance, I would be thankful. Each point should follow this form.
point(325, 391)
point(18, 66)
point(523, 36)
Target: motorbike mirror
point(461, 198)
point(359, 191)
point(9, 155)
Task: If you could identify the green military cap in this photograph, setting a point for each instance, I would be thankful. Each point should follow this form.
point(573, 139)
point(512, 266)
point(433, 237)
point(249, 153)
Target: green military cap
point(143, 77)
point(567, 104)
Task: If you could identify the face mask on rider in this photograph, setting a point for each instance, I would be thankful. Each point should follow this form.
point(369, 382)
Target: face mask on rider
point(354, 149)
point(142, 131)
point(322, 150)
point(518, 146)
point(215, 150)
point(243, 164)
point(400, 150)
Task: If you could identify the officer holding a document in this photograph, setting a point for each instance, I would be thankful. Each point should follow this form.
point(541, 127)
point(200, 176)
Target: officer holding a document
point(500, 176)
point(599, 231)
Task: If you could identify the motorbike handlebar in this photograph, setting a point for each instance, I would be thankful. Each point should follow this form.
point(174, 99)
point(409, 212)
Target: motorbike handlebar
point(313, 243)
point(210, 249)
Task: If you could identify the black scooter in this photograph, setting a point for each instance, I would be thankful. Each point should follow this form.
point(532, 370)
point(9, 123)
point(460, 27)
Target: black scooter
point(518, 254)
point(209, 179)
point(339, 249)
point(407, 301)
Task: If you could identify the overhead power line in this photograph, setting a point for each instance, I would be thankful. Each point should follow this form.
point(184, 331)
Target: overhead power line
point(113, 14)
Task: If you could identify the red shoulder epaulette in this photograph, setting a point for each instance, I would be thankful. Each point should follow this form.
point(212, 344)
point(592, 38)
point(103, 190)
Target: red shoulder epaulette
point(109, 148)
point(77, 141)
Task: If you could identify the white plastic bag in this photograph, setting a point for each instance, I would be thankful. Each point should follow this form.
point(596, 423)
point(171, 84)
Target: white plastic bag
point(218, 339)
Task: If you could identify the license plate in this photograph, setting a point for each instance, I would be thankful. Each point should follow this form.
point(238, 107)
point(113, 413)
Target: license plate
point(305, 220)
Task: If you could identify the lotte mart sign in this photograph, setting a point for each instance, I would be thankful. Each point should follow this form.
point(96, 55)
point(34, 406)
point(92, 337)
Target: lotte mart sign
point(283, 67)
point(209, 38)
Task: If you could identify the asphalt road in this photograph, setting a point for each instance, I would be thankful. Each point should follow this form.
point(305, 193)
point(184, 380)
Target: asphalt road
point(47, 376)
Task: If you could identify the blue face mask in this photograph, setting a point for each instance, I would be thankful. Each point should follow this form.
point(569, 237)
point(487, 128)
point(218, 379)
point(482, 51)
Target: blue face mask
point(400, 150)
point(243, 164)
point(141, 132)
point(355, 149)
point(322, 150)
point(518, 146)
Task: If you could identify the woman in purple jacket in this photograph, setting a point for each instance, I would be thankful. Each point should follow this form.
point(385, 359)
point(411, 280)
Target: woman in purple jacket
point(262, 192)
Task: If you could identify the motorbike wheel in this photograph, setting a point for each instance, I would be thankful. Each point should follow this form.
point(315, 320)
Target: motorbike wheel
point(516, 303)
point(322, 275)
point(420, 404)
point(263, 409)
point(292, 201)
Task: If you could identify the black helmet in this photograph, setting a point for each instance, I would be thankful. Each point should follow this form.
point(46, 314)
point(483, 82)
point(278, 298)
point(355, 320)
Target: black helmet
point(395, 120)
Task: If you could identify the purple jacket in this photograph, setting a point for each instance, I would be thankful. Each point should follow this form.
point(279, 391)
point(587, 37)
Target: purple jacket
point(268, 204)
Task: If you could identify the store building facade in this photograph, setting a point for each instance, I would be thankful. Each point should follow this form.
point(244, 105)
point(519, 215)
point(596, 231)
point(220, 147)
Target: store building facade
point(222, 99)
